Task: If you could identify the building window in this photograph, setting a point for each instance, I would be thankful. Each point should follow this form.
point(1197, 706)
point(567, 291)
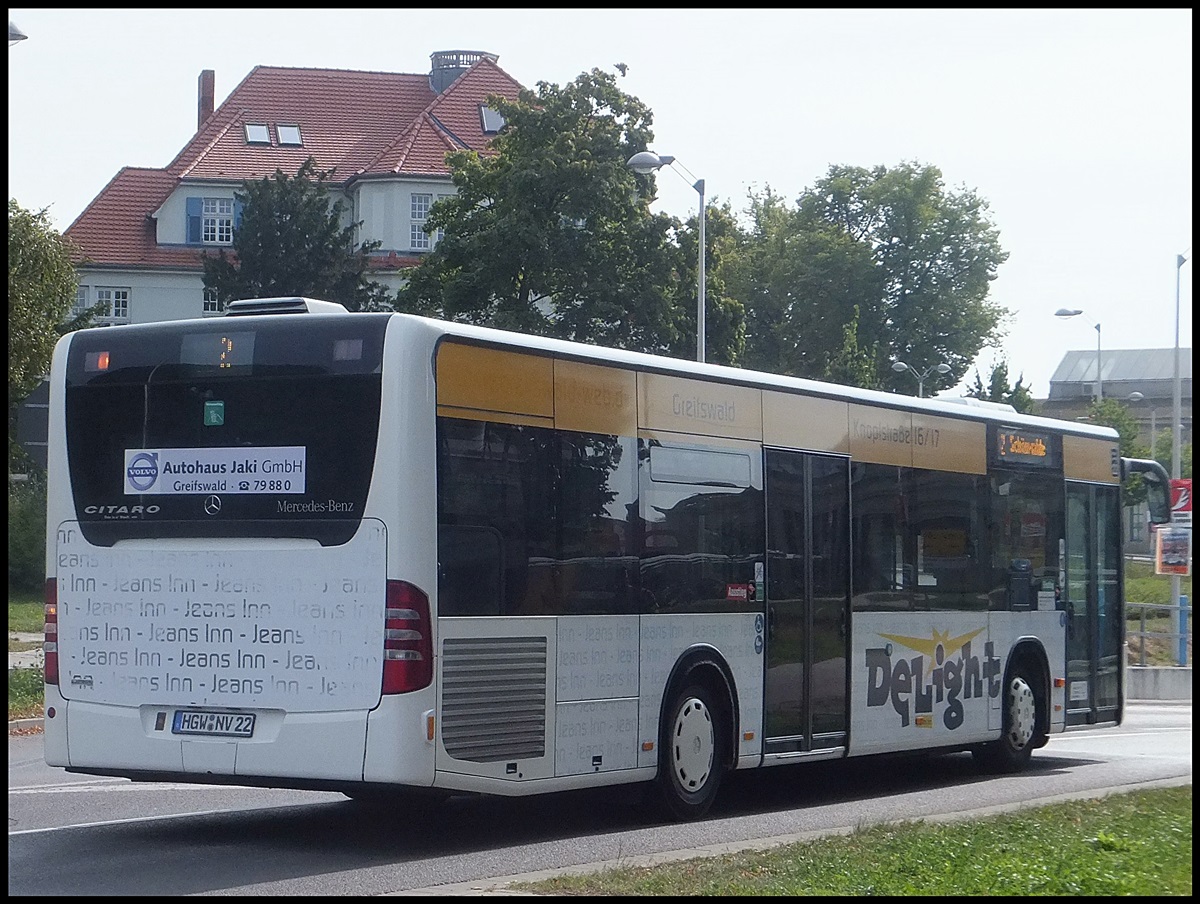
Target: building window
point(288, 134)
point(117, 304)
point(212, 221)
point(81, 302)
point(420, 213)
point(1138, 516)
point(441, 233)
point(490, 120)
point(217, 223)
point(212, 304)
point(257, 133)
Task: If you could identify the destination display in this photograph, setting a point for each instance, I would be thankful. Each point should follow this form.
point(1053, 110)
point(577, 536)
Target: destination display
point(1031, 448)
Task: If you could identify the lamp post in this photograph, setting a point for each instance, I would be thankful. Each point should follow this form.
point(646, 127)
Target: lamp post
point(1136, 396)
point(645, 162)
point(1176, 427)
point(1176, 407)
point(900, 367)
point(1074, 312)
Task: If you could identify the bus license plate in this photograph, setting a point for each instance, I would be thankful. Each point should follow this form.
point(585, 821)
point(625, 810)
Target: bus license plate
point(199, 722)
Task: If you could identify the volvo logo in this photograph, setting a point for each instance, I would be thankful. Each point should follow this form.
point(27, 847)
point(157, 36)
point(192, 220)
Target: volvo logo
point(212, 505)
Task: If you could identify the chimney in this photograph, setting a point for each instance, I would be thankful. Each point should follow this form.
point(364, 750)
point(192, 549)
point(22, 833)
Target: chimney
point(205, 93)
point(447, 65)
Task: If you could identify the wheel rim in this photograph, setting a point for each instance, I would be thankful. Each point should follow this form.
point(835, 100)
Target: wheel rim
point(693, 745)
point(1022, 713)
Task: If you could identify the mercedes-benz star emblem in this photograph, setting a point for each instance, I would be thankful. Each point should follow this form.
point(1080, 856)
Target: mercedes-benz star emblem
point(212, 505)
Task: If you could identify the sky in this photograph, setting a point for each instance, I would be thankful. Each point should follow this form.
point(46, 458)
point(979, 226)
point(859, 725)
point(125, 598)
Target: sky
point(1075, 126)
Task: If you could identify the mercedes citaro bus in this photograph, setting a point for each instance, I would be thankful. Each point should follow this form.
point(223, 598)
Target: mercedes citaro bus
point(385, 555)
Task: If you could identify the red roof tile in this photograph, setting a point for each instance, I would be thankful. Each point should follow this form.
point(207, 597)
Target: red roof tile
point(354, 123)
point(116, 228)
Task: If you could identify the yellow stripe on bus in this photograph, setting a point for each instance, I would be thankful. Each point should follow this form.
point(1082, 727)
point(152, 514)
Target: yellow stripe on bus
point(1089, 459)
point(698, 407)
point(493, 380)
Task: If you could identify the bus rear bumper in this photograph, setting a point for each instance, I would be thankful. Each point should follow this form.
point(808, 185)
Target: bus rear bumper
point(108, 739)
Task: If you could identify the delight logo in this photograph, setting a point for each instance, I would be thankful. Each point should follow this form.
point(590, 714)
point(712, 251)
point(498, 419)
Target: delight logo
point(935, 682)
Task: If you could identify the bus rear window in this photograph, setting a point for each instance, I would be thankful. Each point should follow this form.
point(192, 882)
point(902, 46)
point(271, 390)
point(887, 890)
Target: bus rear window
point(267, 429)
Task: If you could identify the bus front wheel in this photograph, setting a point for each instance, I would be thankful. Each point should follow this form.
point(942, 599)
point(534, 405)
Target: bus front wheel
point(690, 757)
point(1012, 752)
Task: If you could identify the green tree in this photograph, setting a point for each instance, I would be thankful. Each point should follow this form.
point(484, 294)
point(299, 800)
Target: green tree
point(853, 365)
point(801, 288)
point(998, 389)
point(1116, 414)
point(41, 290)
point(291, 241)
point(27, 533)
point(1163, 445)
point(549, 235)
point(915, 258)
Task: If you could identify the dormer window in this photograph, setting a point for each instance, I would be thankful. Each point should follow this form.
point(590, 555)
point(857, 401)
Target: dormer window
point(289, 135)
point(211, 221)
point(217, 222)
point(491, 120)
point(257, 133)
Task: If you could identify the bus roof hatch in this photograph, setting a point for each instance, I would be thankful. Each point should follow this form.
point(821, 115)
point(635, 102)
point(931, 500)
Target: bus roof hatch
point(293, 305)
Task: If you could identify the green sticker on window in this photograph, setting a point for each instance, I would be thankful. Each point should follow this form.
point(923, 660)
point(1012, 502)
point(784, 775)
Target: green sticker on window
point(214, 414)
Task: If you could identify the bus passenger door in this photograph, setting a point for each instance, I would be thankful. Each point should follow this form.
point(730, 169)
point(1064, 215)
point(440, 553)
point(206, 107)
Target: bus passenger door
point(807, 601)
point(1093, 600)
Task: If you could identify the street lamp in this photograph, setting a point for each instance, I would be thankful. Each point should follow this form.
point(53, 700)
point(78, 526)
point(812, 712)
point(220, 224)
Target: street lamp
point(646, 162)
point(1066, 312)
point(1176, 407)
point(1176, 427)
point(900, 367)
point(1137, 397)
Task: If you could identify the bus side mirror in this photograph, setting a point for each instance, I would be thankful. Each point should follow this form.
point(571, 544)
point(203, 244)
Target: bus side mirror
point(1158, 486)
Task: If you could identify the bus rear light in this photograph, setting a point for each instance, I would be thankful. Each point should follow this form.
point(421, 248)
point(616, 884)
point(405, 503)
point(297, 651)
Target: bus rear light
point(50, 635)
point(407, 639)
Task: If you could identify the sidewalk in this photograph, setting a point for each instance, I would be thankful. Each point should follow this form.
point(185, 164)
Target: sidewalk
point(26, 659)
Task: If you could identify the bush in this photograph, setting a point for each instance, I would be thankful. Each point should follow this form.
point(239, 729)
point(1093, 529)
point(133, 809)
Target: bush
point(27, 535)
point(25, 693)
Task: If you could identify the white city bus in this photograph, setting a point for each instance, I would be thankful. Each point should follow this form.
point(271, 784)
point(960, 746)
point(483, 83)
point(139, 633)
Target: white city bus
point(380, 554)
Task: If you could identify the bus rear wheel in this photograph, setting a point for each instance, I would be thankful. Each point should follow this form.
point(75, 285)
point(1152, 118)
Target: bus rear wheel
point(691, 764)
point(1012, 751)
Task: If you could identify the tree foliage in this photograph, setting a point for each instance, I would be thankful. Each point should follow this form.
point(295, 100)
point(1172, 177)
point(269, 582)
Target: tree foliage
point(852, 365)
point(998, 389)
point(915, 259)
point(550, 235)
point(27, 533)
point(293, 241)
point(1116, 414)
point(1163, 445)
point(41, 290)
point(801, 289)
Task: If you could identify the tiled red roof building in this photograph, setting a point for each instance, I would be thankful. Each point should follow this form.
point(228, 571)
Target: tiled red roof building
point(384, 135)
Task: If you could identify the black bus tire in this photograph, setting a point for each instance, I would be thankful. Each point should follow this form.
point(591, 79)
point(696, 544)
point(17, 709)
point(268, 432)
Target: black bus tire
point(691, 762)
point(1012, 751)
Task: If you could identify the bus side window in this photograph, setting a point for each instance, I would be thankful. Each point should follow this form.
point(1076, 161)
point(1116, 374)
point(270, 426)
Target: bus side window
point(470, 569)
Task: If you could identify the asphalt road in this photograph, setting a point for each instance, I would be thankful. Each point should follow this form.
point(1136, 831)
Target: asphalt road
point(80, 835)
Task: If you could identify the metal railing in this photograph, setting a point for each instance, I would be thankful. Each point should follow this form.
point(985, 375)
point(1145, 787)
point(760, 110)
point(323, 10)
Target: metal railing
point(1182, 627)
